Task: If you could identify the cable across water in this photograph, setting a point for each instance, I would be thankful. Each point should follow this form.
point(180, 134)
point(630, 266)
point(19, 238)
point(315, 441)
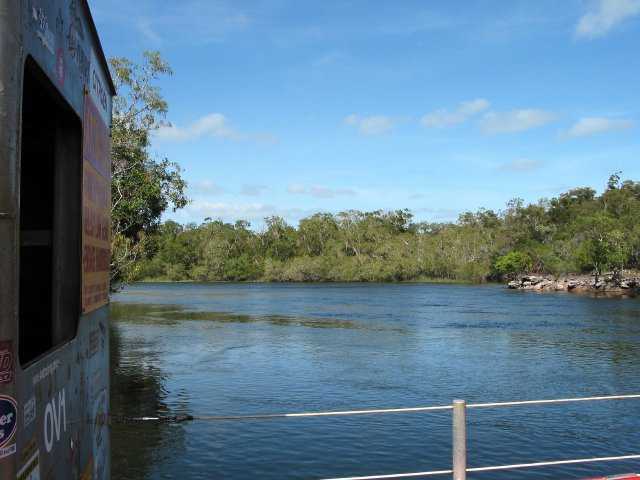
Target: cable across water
point(184, 418)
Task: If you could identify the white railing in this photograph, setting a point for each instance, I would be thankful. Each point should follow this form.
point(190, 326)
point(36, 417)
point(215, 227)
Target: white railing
point(459, 449)
point(459, 458)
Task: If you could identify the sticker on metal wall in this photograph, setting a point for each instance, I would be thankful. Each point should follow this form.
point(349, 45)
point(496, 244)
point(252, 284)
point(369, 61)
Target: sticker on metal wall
point(43, 31)
point(28, 450)
point(6, 361)
point(31, 471)
point(7, 451)
point(8, 419)
point(29, 411)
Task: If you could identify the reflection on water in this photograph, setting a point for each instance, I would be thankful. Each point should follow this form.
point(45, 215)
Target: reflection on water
point(171, 314)
point(234, 349)
point(137, 386)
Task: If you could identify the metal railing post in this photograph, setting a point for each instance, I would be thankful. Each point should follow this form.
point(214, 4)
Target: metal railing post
point(459, 440)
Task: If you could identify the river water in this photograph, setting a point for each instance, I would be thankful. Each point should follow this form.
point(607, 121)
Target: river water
point(251, 349)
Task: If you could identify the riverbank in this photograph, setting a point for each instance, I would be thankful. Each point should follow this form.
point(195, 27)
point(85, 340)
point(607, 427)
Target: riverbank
point(606, 284)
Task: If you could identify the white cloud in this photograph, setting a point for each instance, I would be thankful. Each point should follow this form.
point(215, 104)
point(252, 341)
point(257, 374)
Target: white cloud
point(597, 125)
point(521, 165)
point(345, 192)
point(252, 212)
point(319, 192)
point(605, 16)
point(374, 125)
point(444, 118)
point(207, 187)
point(251, 190)
point(516, 120)
point(149, 33)
point(213, 125)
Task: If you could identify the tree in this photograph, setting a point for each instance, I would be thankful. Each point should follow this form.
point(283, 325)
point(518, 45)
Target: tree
point(571, 205)
point(279, 238)
point(603, 246)
point(315, 234)
point(513, 263)
point(142, 189)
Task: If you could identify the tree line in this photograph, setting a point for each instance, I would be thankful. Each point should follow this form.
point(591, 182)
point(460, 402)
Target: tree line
point(576, 232)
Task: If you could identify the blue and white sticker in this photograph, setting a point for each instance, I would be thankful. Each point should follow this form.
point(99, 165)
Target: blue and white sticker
point(8, 419)
point(29, 411)
point(6, 451)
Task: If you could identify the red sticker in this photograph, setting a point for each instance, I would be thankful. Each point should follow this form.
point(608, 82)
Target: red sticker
point(6, 361)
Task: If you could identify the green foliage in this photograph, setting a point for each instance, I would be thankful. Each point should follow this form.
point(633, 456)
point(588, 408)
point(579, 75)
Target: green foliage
point(576, 232)
point(513, 262)
point(603, 244)
point(142, 189)
point(571, 205)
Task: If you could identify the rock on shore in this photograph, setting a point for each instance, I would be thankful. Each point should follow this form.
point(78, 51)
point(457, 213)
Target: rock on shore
point(607, 284)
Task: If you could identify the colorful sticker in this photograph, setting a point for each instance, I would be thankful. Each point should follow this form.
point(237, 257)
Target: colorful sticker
point(6, 361)
point(6, 451)
point(29, 411)
point(8, 419)
point(31, 471)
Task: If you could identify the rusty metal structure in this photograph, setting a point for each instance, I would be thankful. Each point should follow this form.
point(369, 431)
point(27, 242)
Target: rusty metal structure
point(55, 116)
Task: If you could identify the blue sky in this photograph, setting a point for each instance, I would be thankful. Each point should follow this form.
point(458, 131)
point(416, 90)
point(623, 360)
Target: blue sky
point(292, 107)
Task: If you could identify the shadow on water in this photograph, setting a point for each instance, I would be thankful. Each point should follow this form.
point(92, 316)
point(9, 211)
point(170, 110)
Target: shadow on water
point(174, 314)
point(137, 389)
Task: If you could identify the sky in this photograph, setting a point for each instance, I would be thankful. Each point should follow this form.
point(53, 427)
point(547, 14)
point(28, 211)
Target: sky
point(293, 107)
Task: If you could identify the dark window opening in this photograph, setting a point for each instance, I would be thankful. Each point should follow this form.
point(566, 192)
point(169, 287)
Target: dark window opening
point(50, 196)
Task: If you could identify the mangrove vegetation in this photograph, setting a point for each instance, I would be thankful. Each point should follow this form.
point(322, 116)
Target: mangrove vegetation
point(577, 232)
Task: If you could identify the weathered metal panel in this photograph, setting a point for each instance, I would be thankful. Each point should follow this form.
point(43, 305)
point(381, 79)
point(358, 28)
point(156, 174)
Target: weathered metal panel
point(53, 410)
point(10, 87)
point(62, 38)
point(64, 405)
point(57, 36)
point(10, 81)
